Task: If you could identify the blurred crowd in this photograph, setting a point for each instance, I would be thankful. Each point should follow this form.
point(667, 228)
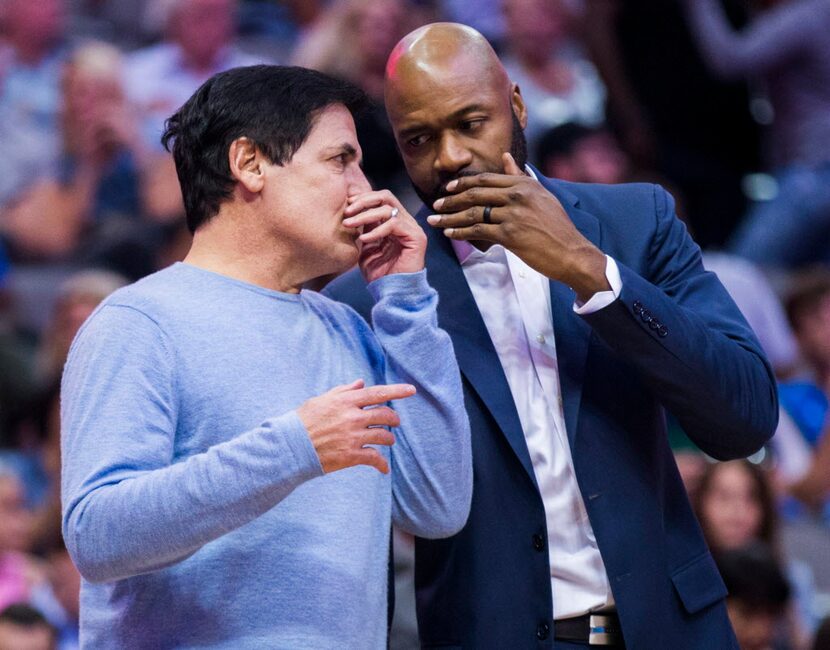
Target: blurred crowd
point(724, 102)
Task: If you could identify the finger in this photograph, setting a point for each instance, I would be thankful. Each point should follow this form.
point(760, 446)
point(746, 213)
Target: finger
point(487, 179)
point(377, 437)
point(372, 458)
point(382, 393)
point(355, 385)
point(510, 165)
point(477, 232)
point(496, 196)
point(360, 202)
point(381, 416)
point(465, 218)
point(370, 216)
point(390, 228)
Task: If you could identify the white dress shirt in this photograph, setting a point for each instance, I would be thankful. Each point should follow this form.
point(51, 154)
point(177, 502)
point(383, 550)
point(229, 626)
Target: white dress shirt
point(514, 301)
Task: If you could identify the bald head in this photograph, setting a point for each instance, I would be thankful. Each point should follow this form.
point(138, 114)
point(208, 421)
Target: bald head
point(436, 52)
point(452, 107)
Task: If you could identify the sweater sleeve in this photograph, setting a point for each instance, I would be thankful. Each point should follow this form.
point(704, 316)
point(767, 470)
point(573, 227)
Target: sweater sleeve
point(431, 457)
point(129, 505)
point(771, 39)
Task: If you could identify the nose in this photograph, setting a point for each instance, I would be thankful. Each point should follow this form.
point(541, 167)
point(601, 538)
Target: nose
point(452, 155)
point(358, 183)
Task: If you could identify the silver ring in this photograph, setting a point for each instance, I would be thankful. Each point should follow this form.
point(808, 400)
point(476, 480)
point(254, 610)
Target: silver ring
point(394, 213)
point(485, 217)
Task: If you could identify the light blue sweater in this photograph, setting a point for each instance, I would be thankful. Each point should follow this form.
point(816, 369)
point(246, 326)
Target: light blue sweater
point(194, 503)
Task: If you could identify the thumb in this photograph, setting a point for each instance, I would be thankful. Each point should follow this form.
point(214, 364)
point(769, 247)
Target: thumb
point(510, 166)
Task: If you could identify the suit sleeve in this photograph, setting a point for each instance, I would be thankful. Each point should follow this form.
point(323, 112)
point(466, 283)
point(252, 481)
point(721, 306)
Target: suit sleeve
point(679, 328)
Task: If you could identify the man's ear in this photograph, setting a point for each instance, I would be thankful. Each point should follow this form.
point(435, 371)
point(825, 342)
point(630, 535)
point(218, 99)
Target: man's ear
point(517, 102)
point(247, 164)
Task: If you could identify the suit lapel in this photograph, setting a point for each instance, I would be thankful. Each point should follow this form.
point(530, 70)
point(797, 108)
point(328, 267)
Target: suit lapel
point(477, 358)
point(572, 334)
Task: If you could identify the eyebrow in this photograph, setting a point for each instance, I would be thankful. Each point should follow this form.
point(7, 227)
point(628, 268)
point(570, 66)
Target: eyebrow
point(342, 148)
point(454, 116)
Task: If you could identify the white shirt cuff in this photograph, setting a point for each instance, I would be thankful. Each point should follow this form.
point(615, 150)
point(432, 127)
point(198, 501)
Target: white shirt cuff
point(603, 298)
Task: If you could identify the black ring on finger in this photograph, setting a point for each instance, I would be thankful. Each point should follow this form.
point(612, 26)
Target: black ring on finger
point(485, 217)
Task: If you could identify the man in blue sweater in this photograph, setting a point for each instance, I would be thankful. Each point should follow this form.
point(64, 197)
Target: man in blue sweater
point(229, 476)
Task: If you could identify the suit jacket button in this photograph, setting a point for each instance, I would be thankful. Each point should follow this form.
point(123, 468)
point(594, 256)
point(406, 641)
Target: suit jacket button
point(662, 331)
point(542, 631)
point(638, 306)
point(653, 324)
point(538, 542)
point(645, 316)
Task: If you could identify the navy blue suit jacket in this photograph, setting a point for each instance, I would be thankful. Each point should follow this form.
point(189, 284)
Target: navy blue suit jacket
point(673, 339)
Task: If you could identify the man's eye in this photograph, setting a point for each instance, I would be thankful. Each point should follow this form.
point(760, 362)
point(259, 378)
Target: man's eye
point(471, 125)
point(417, 141)
point(341, 159)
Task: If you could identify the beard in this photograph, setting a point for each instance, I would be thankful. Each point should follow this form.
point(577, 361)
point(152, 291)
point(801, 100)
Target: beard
point(518, 149)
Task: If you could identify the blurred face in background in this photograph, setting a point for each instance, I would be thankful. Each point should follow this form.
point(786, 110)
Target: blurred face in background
point(813, 333)
point(93, 98)
point(379, 27)
point(596, 158)
point(202, 28)
point(535, 27)
point(731, 507)
point(70, 313)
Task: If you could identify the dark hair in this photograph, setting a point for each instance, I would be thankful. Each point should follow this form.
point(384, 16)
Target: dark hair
point(753, 575)
point(25, 616)
point(562, 140)
point(822, 638)
point(274, 106)
point(768, 531)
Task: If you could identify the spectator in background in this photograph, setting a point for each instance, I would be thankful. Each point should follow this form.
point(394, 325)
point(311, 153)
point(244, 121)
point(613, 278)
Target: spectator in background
point(808, 309)
point(787, 47)
point(736, 508)
point(592, 154)
point(582, 154)
point(24, 628)
point(199, 42)
point(758, 594)
point(558, 83)
point(105, 180)
point(31, 55)
point(77, 298)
